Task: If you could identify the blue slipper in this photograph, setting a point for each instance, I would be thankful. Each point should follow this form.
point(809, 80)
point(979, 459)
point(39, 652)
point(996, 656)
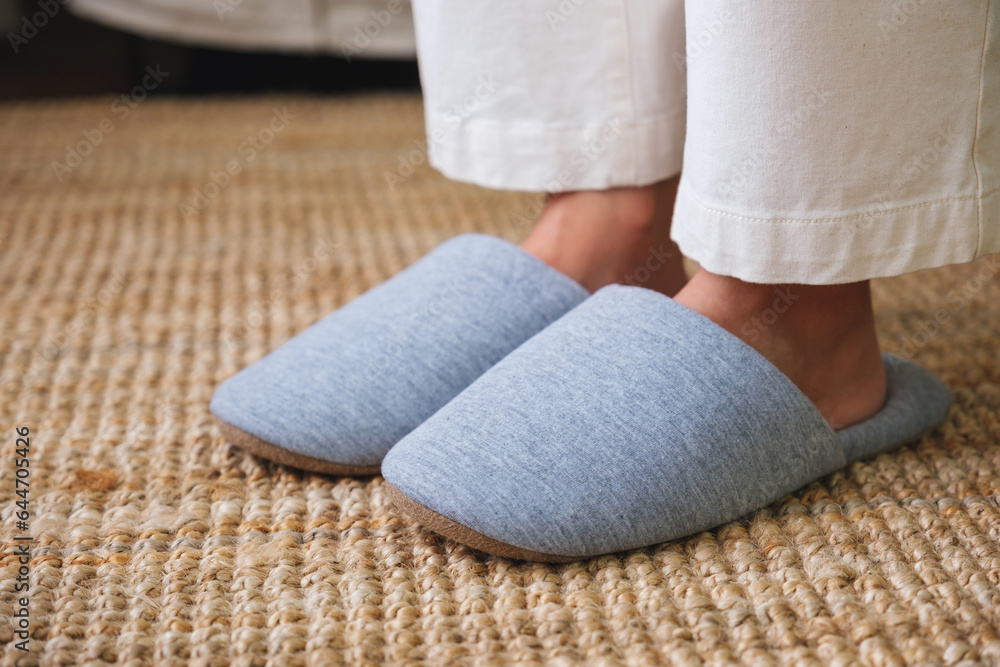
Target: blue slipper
point(630, 422)
point(338, 396)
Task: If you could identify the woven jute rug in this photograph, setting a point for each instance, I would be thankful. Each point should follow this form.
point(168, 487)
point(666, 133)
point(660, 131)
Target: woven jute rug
point(187, 238)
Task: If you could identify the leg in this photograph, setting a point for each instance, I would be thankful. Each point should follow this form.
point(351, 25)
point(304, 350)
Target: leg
point(622, 235)
point(845, 172)
point(635, 419)
point(603, 134)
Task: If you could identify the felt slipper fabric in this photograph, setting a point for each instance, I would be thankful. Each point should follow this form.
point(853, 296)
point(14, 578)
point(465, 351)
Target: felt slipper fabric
point(338, 396)
point(630, 422)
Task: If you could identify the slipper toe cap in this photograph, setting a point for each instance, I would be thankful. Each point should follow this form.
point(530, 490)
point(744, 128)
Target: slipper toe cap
point(349, 387)
point(629, 422)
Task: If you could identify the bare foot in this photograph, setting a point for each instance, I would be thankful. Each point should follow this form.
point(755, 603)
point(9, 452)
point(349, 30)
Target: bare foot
point(821, 336)
point(622, 235)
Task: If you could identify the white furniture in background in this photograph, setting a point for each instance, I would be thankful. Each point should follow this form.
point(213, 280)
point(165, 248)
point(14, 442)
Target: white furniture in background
point(354, 28)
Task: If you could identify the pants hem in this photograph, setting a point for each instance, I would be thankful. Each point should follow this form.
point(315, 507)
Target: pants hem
point(827, 251)
point(540, 158)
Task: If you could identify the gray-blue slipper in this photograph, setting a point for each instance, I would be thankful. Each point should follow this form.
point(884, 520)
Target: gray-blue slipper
point(630, 422)
point(338, 396)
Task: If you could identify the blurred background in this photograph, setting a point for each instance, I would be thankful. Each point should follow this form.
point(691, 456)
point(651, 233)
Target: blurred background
point(58, 48)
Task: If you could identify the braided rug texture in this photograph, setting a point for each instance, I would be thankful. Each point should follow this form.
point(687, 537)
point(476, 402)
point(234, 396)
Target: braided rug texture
point(156, 542)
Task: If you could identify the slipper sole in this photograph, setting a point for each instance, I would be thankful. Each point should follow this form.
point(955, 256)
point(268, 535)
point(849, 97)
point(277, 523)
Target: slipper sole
point(442, 525)
point(266, 450)
point(453, 530)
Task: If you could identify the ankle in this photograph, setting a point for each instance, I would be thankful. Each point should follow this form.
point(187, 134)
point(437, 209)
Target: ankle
point(750, 309)
point(608, 236)
point(629, 210)
point(821, 336)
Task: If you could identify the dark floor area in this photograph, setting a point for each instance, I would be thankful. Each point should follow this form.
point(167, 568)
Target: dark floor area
point(70, 57)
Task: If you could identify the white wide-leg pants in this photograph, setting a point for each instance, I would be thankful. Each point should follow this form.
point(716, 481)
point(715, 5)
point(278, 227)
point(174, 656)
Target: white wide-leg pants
point(821, 142)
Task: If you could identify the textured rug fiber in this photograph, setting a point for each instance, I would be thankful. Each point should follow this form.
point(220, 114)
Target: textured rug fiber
point(195, 236)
